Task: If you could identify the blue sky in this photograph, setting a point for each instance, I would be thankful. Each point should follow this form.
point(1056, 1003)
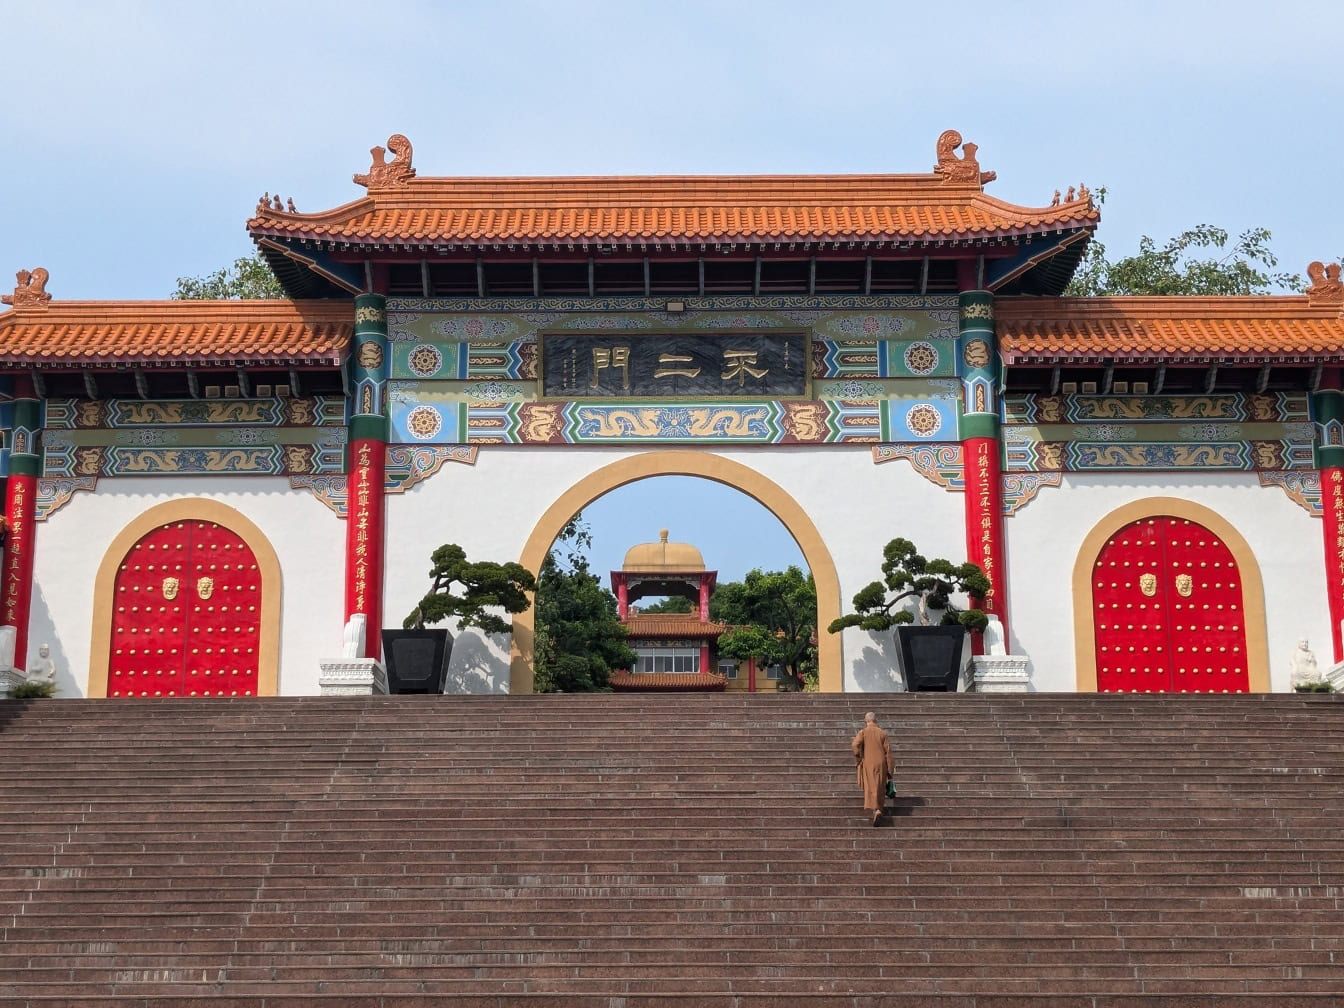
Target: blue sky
point(141, 134)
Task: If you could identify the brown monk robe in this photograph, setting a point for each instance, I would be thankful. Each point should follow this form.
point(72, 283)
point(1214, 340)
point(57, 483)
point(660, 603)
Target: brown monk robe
point(872, 757)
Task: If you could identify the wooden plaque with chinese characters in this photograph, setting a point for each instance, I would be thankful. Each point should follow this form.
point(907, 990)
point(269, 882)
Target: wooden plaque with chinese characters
point(187, 615)
point(675, 365)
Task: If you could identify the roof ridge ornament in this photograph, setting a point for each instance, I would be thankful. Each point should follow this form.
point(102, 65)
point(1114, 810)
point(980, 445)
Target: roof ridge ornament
point(384, 174)
point(963, 170)
point(1326, 287)
point(269, 204)
point(30, 292)
point(1083, 193)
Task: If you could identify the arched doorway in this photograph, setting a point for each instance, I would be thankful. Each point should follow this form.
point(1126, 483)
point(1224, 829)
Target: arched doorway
point(1168, 599)
point(708, 466)
point(187, 603)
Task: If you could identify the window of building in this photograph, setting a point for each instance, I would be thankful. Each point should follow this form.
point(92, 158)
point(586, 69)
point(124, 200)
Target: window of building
point(728, 668)
point(668, 660)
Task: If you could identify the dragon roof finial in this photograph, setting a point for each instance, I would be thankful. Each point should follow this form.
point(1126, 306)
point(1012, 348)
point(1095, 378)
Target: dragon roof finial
point(1326, 287)
point(30, 292)
point(384, 174)
point(963, 170)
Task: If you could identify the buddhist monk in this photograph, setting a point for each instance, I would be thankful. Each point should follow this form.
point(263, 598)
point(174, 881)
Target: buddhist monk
point(872, 757)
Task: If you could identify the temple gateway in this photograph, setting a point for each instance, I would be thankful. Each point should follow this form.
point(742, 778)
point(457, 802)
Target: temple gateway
point(201, 497)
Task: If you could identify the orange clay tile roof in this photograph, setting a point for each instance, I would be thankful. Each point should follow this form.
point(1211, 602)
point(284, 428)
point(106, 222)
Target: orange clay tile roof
point(672, 625)
point(670, 681)
point(1045, 330)
point(177, 332)
point(667, 210)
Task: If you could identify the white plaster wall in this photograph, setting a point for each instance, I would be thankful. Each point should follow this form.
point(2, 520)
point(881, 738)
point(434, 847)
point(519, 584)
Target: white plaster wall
point(308, 538)
point(1043, 540)
point(491, 508)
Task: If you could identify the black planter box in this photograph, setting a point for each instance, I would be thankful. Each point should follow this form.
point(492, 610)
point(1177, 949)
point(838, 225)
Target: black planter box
point(416, 660)
point(931, 657)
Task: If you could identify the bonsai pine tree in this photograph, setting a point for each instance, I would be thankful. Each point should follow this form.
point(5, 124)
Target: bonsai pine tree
point(908, 575)
point(483, 586)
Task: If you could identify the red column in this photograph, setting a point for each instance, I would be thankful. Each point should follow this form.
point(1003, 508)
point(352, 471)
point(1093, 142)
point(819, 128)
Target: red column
point(25, 465)
point(704, 660)
point(21, 526)
point(984, 521)
point(1332, 511)
point(364, 539)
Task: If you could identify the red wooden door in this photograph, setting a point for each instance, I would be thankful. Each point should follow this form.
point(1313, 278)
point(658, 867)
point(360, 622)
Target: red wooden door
point(187, 615)
point(1168, 612)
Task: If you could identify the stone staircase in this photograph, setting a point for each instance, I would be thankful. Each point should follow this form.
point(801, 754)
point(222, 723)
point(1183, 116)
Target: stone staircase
point(683, 850)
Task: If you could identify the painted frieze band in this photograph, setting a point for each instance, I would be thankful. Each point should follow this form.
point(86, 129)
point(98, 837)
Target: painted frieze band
point(574, 371)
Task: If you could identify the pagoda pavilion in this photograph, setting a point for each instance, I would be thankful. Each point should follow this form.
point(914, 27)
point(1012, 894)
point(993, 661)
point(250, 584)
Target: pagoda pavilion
point(677, 651)
point(211, 498)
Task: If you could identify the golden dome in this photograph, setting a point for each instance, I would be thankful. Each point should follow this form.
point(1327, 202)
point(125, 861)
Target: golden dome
point(663, 556)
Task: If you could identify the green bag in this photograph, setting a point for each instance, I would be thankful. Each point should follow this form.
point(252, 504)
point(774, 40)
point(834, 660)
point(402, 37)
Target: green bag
point(891, 788)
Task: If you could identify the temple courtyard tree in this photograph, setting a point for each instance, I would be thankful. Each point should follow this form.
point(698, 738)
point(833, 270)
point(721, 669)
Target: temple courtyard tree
point(671, 604)
point(579, 638)
point(468, 593)
point(772, 619)
point(249, 278)
point(1203, 260)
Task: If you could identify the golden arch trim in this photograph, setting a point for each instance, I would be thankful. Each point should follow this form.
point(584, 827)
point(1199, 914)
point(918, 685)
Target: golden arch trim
point(188, 509)
point(706, 465)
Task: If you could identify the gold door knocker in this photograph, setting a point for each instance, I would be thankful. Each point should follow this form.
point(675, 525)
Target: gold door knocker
point(1148, 584)
point(170, 586)
point(205, 587)
point(1185, 585)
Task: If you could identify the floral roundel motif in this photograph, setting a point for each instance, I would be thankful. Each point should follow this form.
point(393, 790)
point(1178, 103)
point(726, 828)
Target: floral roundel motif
point(924, 420)
point(424, 360)
point(921, 358)
point(976, 354)
point(424, 422)
point(370, 355)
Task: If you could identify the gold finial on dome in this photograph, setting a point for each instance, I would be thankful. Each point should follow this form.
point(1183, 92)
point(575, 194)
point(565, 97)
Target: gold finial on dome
point(662, 535)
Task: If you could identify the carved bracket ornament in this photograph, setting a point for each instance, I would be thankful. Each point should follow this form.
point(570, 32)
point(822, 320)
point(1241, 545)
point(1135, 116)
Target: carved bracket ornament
point(964, 170)
point(1326, 287)
point(30, 292)
point(384, 174)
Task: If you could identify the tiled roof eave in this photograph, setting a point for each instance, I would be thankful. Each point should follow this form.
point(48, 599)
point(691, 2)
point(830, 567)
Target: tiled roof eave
point(1202, 356)
point(980, 236)
point(86, 361)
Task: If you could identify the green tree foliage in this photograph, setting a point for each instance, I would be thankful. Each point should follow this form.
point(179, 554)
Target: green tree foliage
point(1198, 261)
point(482, 587)
point(671, 604)
point(772, 618)
point(249, 278)
point(32, 689)
point(908, 575)
point(579, 637)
